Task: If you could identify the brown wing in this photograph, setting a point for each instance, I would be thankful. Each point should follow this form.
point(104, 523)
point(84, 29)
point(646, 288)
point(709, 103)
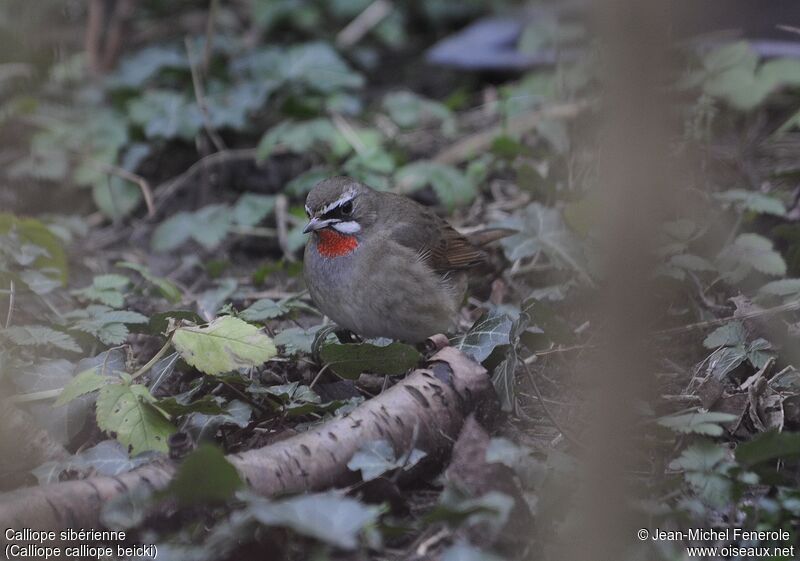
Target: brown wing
point(438, 243)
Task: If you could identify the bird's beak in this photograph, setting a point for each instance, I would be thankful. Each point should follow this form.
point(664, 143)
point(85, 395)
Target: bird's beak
point(316, 224)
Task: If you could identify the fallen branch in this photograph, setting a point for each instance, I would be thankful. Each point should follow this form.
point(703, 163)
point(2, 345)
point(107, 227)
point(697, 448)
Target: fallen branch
point(430, 405)
point(481, 141)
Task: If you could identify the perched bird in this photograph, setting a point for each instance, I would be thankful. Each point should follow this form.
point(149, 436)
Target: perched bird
point(382, 265)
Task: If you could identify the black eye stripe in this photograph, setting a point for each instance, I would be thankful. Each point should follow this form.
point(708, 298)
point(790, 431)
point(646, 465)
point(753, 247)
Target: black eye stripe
point(344, 209)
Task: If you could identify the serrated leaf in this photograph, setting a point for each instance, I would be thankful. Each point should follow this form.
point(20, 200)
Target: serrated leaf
point(167, 289)
point(39, 336)
point(699, 422)
point(750, 252)
point(108, 457)
point(127, 411)
point(204, 476)
point(375, 458)
point(728, 335)
point(705, 465)
point(83, 383)
point(350, 360)
point(753, 201)
point(329, 517)
point(225, 344)
point(489, 331)
point(263, 309)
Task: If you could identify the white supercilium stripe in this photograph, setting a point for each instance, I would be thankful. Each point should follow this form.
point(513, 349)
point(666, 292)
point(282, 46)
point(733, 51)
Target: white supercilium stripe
point(347, 196)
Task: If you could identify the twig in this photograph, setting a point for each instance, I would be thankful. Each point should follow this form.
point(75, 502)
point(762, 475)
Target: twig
point(167, 189)
point(122, 12)
point(11, 294)
point(531, 359)
point(150, 363)
point(213, 8)
point(549, 415)
point(94, 33)
point(201, 99)
point(478, 142)
point(140, 181)
point(363, 23)
point(317, 377)
point(788, 307)
point(346, 129)
point(281, 220)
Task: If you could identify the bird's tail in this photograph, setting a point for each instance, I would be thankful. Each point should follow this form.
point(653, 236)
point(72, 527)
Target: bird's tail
point(489, 235)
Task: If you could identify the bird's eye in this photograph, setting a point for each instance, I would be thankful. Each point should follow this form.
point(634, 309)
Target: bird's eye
point(347, 208)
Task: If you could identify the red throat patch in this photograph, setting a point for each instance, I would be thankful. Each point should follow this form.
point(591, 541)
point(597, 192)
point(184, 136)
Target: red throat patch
point(335, 244)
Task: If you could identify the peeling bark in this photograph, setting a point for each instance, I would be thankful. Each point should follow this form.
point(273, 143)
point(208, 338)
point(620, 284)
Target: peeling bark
point(427, 410)
point(23, 445)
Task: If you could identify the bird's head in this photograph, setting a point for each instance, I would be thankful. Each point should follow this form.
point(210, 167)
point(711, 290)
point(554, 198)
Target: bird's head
point(340, 205)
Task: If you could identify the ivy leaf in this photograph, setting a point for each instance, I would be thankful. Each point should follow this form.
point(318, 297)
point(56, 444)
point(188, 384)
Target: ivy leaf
point(135, 70)
point(204, 476)
point(329, 517)
point(699, 422)
point(350, 360)
point(725, 360)
point(504, 380)
point(108, 457)
point(375, 458)
point(264, 309)
point(225, 344)
point(451, 186)
point(39, 336)
point(542, 231)
point(296, 340)
point(489, 331)
point(728, 335)
point(127, 411)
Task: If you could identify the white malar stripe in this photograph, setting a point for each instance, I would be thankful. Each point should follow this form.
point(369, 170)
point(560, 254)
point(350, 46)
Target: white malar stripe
point(346, 197)
point(349, 227)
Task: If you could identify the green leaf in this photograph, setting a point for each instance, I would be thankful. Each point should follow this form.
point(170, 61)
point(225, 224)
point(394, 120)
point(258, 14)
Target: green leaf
point(724, 360)
point(409, 110)
point(706, 465)
point(350, 360)
point(504, 381)
point(225, 344)
point(296, 340)
point(167, 289)
point(752, 201)
point(207, 226)
point(768, 446)
point(489, 331)
point(33, 232)
point(699, 422)
point(375, 458)
point(83, 383)
point(39, 336)
point(329, 517)
point(127, 411)
point(749, 252)
point(263, 309)
point(542, 231)
point(252, 208)
point(451, 186)
point(301, 137)
point(782, 287)
point(165, 114)
point(204, 476)
point(728, 335)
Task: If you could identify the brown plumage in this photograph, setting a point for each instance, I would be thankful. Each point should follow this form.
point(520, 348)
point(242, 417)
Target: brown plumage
point(383, 265)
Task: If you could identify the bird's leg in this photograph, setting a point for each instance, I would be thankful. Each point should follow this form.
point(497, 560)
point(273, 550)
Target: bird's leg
point(346, 336)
